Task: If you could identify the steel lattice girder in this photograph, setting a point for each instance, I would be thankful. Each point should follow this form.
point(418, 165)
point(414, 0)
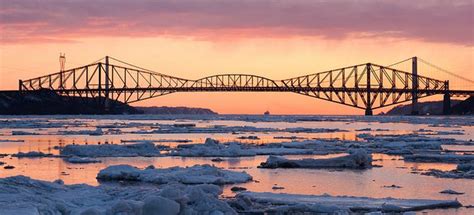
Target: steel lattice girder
point(360, 86)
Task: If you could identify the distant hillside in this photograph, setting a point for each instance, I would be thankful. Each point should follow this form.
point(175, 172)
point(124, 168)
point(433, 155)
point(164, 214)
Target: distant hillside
point(175, 110)
point(465, 107)
point(458, 107)
point(46, 102)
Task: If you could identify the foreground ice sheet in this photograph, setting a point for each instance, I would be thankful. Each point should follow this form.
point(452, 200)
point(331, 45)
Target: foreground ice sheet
point(356, 159)
point(441, 158)
point(464, 170)
point(21, 195)
point(146, 149)
point(295, 203)
point(198, 174)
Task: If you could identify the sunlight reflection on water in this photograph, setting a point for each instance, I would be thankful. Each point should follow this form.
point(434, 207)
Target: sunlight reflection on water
point(369, 182)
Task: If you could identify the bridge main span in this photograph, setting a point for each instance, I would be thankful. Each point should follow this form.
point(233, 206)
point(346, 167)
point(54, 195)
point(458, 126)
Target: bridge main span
point(365, 86)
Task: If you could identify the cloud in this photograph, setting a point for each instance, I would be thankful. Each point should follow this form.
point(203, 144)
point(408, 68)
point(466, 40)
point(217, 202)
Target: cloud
point(48, 20)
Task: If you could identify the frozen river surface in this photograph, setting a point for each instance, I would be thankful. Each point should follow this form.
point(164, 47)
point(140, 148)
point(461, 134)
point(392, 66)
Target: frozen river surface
point(392, 176)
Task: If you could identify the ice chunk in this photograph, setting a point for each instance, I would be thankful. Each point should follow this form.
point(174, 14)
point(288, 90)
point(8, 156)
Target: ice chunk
point(464, 170)
point(22, 195)
point(295, 203)
point(356, 159)
point(32, 154)
point(153, 205)
point(442, 158)
point(449, 191)
point(23, 133)
point(198, 174)
point(11, 141)
point(281, 151)
point(212, 148)
point(81, 160)
point(112, 150)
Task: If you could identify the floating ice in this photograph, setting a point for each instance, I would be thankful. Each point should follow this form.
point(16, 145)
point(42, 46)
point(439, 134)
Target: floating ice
point(298, 204)
point(96, 132)
point(23, 133)
point(81, 160)
point(212, 148)
point(464, 170)
point(452, 192)
point(356, 159)
point(11, 141)
point(439, 158)
point(198, 174)
point(22, 195)
point(268, 150)
point(32, 154)
point(147, 149)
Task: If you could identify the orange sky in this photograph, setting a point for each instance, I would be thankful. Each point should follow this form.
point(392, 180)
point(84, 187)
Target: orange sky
point(272, 53)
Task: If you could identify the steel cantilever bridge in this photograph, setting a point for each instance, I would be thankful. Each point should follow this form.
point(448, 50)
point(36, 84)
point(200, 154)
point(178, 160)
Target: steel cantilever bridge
point(366, 86)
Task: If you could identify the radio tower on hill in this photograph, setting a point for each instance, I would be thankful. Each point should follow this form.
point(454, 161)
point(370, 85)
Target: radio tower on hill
point(62, 63)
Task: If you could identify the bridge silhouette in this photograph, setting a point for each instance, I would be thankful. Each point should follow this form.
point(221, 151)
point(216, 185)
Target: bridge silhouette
point(365, 86)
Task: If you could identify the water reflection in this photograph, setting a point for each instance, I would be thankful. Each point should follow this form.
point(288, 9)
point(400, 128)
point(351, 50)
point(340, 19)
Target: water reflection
point(369, 182)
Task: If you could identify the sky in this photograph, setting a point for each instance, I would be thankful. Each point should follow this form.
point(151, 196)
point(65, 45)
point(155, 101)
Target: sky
point(275, 39)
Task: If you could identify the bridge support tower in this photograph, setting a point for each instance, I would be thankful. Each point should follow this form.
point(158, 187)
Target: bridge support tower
point(368, 107)
point(106, 102)
point(446, 99)
point(414, 95)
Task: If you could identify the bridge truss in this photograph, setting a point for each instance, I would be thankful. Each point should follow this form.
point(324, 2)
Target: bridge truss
point(366, 86)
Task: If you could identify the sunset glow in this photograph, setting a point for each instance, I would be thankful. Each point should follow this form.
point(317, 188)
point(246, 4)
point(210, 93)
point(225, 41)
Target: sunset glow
point(274, 39)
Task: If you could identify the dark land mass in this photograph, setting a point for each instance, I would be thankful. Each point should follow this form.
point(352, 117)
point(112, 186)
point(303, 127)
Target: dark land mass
point(175, 110)
point(458, 107)
point(46, 102)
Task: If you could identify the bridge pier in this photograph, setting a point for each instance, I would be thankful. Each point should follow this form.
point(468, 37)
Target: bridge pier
point(368, 108)
point(106, 102)
point(414, 88)
point(446, 99)
point(368, 111)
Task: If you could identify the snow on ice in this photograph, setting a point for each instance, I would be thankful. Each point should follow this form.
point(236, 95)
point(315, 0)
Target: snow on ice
point(359, 159)
point(463, 170)
point(146, 149)
point(439, 158)
point(281, 203)
point(32, 154)
point(81, 160)
point(198, 174)
point(22, 195)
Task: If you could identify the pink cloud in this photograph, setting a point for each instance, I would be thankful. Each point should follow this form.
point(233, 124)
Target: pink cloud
point(434, 21)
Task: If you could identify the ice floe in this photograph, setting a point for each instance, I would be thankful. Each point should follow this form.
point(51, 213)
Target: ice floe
point(464, 170)
point(198, 174)
point(452, 192)
point(11, 141)
point(356, 159)
point(212, 148)
point(146, 149)
point(282, 203)
point(22, 195)
point(439, 158)
point(96, 132)
point(32, 154)
point(81, 160)
point(15, 133)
